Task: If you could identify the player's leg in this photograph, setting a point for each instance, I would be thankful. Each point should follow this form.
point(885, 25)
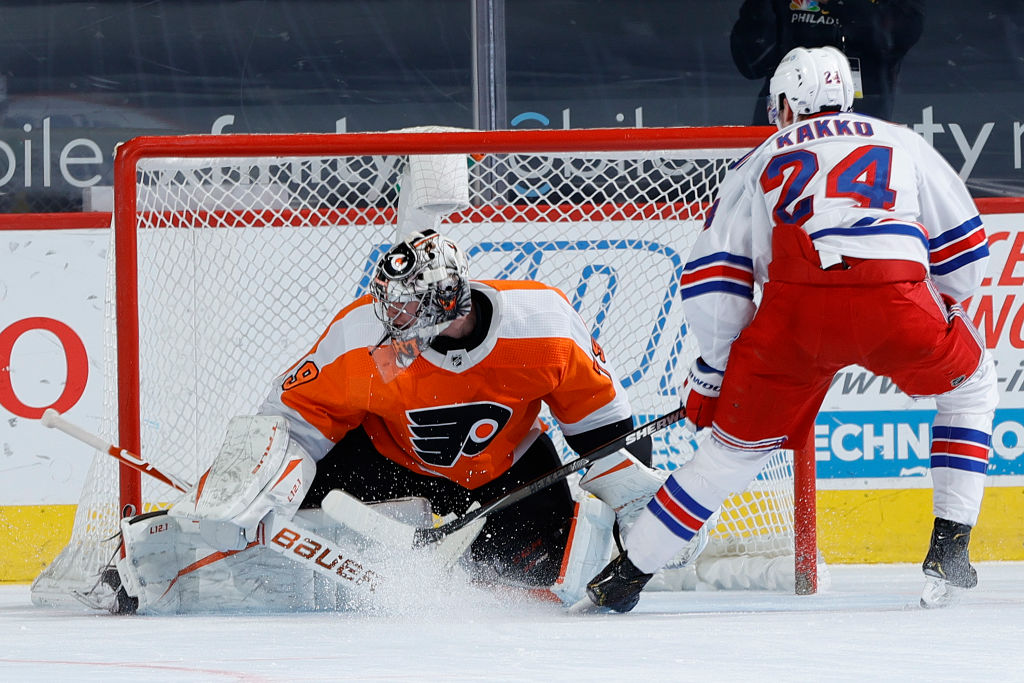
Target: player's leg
point(940, 355)
point(771, 391)
point(673, 517)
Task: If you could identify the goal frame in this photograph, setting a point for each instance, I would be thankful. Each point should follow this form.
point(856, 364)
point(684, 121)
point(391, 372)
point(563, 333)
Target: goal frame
point(128, 155)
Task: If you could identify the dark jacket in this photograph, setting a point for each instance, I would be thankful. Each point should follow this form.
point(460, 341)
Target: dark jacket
point(878, 33)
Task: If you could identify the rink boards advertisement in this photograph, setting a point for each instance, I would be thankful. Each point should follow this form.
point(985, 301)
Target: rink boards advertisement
point(869, 436)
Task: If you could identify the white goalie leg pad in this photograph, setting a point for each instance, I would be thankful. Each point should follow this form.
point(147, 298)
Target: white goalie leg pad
point(259, 469)
point(587, 551)
point(154, 550)
point(170, 569)
point(624, 483)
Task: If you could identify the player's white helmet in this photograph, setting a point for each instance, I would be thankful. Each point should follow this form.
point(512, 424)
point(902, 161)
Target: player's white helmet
point(420, 285)
point(811, 79)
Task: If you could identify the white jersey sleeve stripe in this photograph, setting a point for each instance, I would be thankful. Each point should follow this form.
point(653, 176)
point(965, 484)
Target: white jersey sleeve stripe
point(719, 272)
point(957, 247)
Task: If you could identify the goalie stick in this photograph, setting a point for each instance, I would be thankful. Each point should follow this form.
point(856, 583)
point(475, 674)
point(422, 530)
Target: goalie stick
point(286, 537)
point(424, 536)
point(52, 419)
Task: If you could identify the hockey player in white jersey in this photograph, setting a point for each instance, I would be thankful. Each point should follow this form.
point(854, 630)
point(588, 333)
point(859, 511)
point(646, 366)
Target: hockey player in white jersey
point(863, 241)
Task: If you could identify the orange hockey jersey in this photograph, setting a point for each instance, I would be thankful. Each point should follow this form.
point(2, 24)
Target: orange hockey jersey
point(466, 414)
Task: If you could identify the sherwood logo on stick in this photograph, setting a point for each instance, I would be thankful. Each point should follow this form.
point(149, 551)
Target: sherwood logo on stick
point(656, 425)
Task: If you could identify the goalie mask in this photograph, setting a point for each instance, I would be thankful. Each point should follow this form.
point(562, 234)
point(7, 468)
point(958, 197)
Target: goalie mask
point(811, 80)
point(420, 285)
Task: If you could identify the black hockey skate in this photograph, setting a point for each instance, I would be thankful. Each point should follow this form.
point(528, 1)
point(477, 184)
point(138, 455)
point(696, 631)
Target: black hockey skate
point(617, 586)
point(947, 564)
point(108, 594)
point(123, 603)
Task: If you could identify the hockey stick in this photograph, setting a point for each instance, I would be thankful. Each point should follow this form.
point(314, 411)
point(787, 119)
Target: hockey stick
point(286, 537)
point(424, 536)
point(52, 419)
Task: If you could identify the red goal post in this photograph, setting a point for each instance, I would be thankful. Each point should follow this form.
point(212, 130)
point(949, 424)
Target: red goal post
point(224, 244)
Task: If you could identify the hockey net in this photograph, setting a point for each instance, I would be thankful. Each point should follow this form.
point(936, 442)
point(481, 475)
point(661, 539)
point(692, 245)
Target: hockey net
point(232, 253)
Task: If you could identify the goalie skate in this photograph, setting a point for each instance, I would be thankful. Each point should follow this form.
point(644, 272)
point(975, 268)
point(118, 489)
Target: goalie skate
point(108, 594)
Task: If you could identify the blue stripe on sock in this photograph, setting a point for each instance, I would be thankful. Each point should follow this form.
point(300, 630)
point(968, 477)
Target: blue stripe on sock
point(692, 506)
point(962, 434)
point(955, 463)
point(669, 521)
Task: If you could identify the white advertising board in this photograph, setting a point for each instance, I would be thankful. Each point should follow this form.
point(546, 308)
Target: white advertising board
point(52, 283)
point(51, 355)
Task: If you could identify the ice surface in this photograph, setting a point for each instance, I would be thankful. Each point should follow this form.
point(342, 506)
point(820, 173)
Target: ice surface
point(867, 627)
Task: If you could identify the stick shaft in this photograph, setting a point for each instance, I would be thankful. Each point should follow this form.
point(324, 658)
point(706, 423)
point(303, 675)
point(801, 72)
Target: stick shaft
point(54, 420)
point(424, 536)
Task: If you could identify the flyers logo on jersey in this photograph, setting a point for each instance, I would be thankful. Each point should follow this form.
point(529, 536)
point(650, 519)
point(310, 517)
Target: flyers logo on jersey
point(443, 435)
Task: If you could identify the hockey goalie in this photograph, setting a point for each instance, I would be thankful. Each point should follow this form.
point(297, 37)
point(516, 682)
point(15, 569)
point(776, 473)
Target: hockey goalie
point(418, 402)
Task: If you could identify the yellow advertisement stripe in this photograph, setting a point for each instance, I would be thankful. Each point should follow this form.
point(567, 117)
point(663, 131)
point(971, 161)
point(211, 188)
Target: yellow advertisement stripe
point(854, 527)
point(895, 525)
point(33, 535)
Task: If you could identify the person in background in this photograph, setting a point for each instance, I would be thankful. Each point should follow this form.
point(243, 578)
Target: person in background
point(875, 35)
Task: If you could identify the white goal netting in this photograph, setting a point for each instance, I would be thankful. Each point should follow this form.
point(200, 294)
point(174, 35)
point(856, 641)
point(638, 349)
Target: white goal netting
point(234, 252)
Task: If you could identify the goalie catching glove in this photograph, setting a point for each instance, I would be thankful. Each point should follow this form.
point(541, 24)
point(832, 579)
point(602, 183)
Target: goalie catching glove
point(259, 470)
point(700, 391)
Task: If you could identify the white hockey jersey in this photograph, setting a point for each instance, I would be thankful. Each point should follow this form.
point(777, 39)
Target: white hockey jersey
point(860, 187)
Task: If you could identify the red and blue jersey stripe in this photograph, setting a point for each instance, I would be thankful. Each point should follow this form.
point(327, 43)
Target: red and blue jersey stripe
point(719, 272)
point(956, 248)
point(871, 227)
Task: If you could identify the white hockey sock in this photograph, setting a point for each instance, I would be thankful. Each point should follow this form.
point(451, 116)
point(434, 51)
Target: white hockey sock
point(686, 500)
point(961, 445)
point(959, 460)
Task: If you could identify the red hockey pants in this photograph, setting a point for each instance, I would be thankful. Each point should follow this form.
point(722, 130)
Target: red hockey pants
point(811, 323)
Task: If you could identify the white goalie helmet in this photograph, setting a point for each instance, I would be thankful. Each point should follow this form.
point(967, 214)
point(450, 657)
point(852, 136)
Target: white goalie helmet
point(420, 285)
point(811, 80)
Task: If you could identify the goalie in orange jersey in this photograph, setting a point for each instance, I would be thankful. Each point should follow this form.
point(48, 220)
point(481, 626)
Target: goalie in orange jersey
point(431, 386)
point(427, 390)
